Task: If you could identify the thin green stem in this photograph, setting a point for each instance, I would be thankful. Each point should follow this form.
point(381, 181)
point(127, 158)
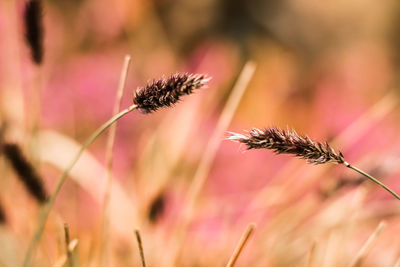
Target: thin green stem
point(372, 179)
point(47, 207)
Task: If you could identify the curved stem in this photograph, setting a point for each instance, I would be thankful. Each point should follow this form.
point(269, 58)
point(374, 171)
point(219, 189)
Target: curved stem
point(372, 179)
point(47, 207)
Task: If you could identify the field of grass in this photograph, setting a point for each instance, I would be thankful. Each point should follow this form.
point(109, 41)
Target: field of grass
point(199, 133)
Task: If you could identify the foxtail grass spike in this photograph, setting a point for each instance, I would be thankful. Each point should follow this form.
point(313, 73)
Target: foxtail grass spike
point(25, 171)
point(34, 30)
point(289, 142)
point(165, 92)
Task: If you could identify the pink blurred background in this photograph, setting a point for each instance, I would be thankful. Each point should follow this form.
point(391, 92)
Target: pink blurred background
point(325, 68)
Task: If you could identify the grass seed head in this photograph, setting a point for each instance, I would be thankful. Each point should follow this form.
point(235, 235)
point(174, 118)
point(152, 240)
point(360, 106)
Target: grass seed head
point(289, 142)
point(167, 91)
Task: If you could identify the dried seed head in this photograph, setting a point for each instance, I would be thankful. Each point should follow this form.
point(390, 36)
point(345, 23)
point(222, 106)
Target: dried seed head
point(289, 142)
point(34, 31)
point(167, 91)
point(26, 172)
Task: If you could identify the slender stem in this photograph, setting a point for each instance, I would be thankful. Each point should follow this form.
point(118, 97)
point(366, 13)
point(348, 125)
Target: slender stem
point(243, 240)
point(357, 261)
point(372, 179)
point(47, 207)
point(109, 162)
point(67, 241)
point(140, 245)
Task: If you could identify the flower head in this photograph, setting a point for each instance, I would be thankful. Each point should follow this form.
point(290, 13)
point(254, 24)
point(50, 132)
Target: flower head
point(167, 91)
point(289, 142)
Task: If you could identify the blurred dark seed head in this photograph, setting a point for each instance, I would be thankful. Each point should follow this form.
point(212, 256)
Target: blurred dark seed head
point(289, 142)
point(3, 128)
point(2, 215)
point(25, 171)
point(167, 91)
point(34, 30)
point(157, 208)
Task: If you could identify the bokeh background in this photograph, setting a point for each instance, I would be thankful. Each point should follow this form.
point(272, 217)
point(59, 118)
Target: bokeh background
point(328, 69)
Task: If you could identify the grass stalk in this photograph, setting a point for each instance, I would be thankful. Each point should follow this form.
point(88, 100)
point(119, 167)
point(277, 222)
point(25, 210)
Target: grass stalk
point(64, 258)
point(140, 245)
point(223, 123)
point(48, 206)
point(372, 179)
point(109, 161)
point(242, 242)
point(67, 241)
point(362, 253)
